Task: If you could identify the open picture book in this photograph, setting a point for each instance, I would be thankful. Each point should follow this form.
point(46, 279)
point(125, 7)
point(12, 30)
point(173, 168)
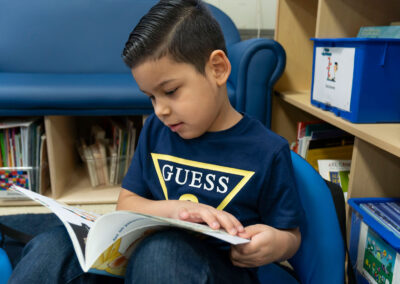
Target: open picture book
point(104, 243)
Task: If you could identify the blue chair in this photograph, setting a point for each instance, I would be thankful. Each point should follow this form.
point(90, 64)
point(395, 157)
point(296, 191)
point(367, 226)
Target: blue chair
point(5, 265)
point(321, 256)
point(64, 58)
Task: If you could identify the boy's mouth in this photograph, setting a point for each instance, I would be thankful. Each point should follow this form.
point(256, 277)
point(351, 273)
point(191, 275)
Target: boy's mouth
point(175, 127)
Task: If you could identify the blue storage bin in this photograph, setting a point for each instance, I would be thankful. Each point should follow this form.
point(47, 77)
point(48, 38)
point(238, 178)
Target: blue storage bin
point(374, 250)
point(357, 78)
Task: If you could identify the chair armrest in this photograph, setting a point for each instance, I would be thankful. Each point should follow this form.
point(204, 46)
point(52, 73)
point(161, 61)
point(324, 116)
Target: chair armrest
point(256, 65)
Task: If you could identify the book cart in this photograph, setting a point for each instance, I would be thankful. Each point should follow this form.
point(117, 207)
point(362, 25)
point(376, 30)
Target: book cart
point(375, 167)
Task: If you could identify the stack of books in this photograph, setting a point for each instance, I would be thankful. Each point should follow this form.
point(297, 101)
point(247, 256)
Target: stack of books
point(109, 151)
point(23, 156)
point(318, 140)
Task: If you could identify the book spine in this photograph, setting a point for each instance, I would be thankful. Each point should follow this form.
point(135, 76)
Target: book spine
point(380, 217)
point(395, 206)
point(3, 149)
point(389, 212)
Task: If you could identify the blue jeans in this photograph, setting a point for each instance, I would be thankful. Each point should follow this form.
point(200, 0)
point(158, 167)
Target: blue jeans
point(170, 256)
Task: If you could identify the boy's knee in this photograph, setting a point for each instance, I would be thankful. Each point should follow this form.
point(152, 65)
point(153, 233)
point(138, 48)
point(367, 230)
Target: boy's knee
point(53, 241)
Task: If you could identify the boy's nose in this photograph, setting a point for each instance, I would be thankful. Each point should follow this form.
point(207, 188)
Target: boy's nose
point(162, 110)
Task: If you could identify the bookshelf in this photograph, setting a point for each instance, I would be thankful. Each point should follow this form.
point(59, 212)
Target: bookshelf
point(69, 178)
point(375, 168)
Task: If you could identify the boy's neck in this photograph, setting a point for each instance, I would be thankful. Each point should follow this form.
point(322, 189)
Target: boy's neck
point(227, 118)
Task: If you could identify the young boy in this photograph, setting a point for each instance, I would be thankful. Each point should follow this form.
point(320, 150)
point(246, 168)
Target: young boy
point(198, 160)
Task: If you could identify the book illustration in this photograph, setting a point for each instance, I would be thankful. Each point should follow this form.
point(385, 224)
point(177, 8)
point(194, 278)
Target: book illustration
point(336, 171)
point(14, 176)
point(377, 260)
point(115, 259)
point(104, 243)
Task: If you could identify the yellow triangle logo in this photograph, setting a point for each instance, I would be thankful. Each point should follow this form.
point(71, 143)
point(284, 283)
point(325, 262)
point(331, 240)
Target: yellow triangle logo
point(246, 175)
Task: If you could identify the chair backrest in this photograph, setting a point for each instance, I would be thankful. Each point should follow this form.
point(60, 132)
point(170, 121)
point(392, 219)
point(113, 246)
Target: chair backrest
point(74, 36)
point(5, 267)
point(321, 257)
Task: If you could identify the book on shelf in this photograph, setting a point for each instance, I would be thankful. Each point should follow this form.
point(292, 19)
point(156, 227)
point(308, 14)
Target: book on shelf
point(336, 171)
point(21, 145)
point(316, 134)
point(109, 149)
point(301, 130)
point(388, 32)
point(305, 134)
point(328, 153)
point(384, 214)
point(103, 244)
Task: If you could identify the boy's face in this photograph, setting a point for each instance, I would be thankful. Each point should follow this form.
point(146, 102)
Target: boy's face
point(188, 102)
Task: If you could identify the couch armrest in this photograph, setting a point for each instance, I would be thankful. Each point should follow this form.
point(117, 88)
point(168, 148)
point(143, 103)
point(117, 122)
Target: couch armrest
point(256, 66)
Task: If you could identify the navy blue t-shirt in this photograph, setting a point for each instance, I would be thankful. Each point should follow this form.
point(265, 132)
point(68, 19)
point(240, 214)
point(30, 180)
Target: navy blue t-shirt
point(245, 170)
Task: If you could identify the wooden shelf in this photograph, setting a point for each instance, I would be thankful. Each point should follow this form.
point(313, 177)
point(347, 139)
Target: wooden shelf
point(385, 136)
point(79, 191)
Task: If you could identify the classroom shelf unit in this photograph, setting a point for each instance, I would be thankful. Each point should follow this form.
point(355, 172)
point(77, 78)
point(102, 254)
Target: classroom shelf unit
point(375, 168)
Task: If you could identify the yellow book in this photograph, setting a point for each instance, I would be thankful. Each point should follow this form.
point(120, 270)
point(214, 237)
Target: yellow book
point(330, 153)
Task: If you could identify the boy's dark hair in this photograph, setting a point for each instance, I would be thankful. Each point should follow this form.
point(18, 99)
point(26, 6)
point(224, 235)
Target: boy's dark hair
point(182, 29)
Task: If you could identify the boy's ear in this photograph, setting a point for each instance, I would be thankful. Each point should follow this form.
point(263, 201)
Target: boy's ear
point(220, 66)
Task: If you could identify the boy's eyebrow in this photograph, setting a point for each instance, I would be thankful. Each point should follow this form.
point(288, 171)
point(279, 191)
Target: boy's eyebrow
point(160, 85)
point(164, 82)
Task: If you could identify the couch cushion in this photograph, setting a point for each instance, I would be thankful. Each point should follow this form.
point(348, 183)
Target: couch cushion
point(73, 91)
point(65, 91)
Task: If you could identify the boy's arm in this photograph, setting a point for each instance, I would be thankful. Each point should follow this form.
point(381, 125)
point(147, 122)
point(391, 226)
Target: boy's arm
point(267, 245)
point(178, 209)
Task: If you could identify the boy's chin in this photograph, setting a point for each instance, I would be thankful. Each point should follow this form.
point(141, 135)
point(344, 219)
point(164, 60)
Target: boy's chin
point(188, 135)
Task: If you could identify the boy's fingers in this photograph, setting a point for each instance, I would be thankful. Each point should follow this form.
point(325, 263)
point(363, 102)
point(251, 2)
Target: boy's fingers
point(250, 231)
point(183, 214)
point(210, 219)
point(237, 224)
point(227, 223)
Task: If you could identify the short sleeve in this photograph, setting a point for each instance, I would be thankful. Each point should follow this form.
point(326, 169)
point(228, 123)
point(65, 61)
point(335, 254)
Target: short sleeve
point(280, 206)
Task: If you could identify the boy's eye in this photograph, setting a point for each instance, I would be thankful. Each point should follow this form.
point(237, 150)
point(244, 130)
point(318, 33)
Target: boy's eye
point(171, 92)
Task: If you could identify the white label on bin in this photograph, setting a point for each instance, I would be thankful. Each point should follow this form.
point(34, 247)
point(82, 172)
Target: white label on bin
point(333, 76)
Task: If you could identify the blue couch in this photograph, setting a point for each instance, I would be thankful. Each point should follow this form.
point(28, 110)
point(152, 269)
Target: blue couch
point(64, 58)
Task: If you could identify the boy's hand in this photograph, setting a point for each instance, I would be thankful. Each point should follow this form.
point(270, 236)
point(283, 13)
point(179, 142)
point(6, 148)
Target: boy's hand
point(201, 213)
point(267, 245)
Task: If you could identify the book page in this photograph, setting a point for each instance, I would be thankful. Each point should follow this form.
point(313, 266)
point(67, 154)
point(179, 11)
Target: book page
point(77, 222)
point(120, 233)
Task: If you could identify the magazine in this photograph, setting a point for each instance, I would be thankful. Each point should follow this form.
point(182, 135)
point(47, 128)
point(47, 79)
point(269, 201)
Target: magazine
point(104, 243)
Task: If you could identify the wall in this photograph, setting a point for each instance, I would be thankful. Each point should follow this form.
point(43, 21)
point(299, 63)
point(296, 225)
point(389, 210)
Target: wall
point(245, 12)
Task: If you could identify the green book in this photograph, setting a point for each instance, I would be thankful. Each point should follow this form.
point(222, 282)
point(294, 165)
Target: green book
point(379, 32)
